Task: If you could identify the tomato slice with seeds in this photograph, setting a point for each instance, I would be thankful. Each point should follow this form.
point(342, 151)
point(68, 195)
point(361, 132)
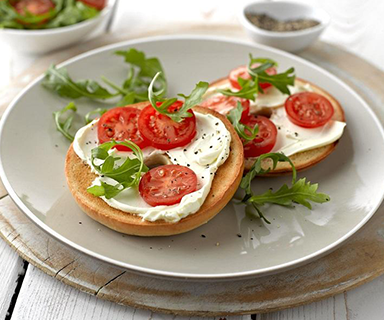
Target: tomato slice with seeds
point(242, 72)
point(224, 104)
point(35, 7)
point(166, 185)
point(162, 132)
point(309, 109)
point(97, 4)
point(120, 124)
point(265, 139)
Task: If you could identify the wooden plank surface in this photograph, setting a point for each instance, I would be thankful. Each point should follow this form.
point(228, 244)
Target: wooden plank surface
point(43, 297)
point(330, 309)
point(11, 265)
point(3, 192)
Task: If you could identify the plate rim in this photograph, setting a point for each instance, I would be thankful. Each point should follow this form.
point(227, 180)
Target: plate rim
point(180, 275)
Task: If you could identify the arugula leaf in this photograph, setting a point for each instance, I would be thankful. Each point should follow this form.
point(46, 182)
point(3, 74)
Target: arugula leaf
point(257, 169)
point(142, 71)
point(65, 13)
point(12, 18)
point(126, 175)
point(64, 127)
point(99, 111)
point(280, 81)
point(251, 87)
point(59, 81)
point(73, 12)
point(234, 117)
point(300, 192)
point(192, 100)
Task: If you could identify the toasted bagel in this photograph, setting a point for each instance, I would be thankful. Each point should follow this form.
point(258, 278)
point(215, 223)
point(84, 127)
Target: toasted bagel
point(302, 160)
point(226, 181)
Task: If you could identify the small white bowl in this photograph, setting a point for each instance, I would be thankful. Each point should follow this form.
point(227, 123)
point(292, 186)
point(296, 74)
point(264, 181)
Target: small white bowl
point(46, 40)
point(282, 10)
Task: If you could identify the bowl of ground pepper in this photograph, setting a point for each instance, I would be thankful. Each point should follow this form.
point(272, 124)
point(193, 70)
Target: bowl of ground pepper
point(289, 26)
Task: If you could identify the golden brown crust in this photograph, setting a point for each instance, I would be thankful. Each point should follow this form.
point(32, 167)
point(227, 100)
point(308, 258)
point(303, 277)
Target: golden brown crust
point(305, 159)
point(227, 179)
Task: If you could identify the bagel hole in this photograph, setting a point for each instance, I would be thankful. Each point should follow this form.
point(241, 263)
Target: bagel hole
point(157, 160)
point(266, 112)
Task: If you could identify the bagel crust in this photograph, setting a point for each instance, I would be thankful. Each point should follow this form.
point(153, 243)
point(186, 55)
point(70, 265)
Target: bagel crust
point(224, 185)
point(302, 160)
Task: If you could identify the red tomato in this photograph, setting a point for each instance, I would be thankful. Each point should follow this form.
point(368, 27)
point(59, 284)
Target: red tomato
point(166, 185)
point(120, 124)
point(265, 139)
point(223, 104)
point(36, 7)
point(162, 132)
point(98, 4)
point(308, 109)
point(242, 72)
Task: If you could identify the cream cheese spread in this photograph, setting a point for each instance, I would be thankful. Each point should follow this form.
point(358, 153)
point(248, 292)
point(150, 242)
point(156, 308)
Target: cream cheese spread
point(208, 150)
point(291, 138)
point(271, 98)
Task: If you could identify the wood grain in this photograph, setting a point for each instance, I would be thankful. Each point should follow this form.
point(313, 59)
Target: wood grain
point(42, 297)
point(3, 192)
point(339, 271)
point(10, 267)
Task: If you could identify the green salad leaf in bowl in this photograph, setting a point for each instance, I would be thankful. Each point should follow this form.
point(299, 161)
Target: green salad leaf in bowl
point(47, 14)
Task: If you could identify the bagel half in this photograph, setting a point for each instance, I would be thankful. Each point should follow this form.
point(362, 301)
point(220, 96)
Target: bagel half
point(226, 181)
point(302, 160)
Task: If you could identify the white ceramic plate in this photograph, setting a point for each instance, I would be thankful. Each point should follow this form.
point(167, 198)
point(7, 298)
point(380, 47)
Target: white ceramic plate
point(32, 161)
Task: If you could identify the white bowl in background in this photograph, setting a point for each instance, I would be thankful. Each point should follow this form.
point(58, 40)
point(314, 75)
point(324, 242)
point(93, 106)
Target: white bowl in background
point(46, 40)
point(282, 10)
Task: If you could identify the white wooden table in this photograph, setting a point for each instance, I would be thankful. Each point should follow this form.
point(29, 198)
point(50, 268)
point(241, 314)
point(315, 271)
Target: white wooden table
point(27, 293)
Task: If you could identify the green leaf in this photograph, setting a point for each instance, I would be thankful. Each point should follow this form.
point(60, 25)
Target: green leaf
point(195, 98)
point(262, 61)
point(280, 81)
point(72, 12)
point(251, 87)
point(148, 67)
point(234, 117)
point(65, 13)
point(99, 111)
point(300, 192)
point(128, 99)
point(142, 71)
point(257, 169)
point(249, 90)
point(126, 175)
point(59, 81)
point(64, 127)
point(107, 190)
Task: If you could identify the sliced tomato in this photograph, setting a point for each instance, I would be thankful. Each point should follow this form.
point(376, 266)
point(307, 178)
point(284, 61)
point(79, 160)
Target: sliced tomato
point(120, 124)
point(309, 109)
point(265, 139)
point(162, 132)
point(166, 185)
point(36, 7)
point(224, 104)
point(98, 4)
point(242, 72)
